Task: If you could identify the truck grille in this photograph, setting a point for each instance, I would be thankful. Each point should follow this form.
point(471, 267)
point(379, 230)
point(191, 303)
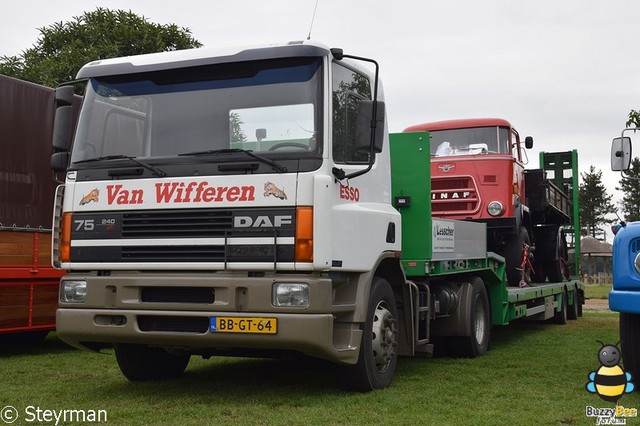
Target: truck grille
point(454, 196)
point(188, 235)
point(204, 223)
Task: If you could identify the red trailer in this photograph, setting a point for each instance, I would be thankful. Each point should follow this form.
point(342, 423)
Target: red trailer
point(28, 283)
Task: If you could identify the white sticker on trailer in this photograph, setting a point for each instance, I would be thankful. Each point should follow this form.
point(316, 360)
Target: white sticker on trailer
point(443, 238)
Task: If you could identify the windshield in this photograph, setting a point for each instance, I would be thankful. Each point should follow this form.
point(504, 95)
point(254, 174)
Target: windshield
point(471, 141)
point(270, 106)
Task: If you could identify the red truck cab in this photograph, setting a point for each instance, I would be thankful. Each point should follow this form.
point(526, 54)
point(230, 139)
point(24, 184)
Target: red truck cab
point(477, 174)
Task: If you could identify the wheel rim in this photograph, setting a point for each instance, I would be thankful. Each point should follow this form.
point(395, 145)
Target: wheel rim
point(384, 337)
point(479, 321)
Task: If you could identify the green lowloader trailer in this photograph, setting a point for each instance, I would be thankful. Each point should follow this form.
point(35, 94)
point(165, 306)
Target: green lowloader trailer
point(460, 288)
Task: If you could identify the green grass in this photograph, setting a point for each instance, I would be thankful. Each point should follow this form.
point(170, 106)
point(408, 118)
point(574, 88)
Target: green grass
point(534, 374)
point(597, 291)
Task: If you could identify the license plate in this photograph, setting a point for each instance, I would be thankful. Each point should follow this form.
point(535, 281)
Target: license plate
point(243, 325)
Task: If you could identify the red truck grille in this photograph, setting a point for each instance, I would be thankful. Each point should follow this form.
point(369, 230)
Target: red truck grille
point(454, 196)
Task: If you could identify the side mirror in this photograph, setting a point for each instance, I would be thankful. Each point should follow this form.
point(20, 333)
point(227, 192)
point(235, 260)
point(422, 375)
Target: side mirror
point(60, 161)
point(63, 121)
point(528, 142)
point(620, 154)
point(64, 96)
point(62, 128)
point(365, 123)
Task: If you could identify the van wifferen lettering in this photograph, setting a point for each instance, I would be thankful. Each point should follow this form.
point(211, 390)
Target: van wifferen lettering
point(181, 192)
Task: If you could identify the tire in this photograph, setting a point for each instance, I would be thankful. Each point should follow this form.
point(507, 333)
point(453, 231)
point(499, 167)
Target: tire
point(539, 276)
point(560, 317)
point(476, 344)
point(513, 256)
point(574, 310)
point(554, 268)
point(378, 357)
point(141, 363)
point(630, 344)
point(554, 271)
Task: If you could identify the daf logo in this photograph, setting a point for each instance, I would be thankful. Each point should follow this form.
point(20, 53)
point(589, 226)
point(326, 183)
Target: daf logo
point(446, 167)
point(262, 221)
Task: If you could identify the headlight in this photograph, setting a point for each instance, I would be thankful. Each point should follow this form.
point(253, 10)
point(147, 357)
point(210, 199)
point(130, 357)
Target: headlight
point(495, 208)
point(291, 294)
point(73, 291)
point(636, 263)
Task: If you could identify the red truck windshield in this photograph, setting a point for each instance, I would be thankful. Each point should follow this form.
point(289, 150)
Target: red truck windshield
point(270, 106)
point(470, 141)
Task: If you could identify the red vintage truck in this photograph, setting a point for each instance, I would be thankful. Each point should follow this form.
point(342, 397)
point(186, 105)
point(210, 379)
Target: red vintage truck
point(478, 173)
point(28, 283)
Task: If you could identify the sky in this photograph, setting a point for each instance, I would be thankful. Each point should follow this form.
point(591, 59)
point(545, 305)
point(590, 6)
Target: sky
point(563, 71)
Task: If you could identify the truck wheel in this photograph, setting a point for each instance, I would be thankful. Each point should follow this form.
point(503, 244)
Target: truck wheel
point(477, 344)
point(141, 363)
point(554, 270)
point(513, 257)
point(560, 317)
point(539, 275)
point(378, 357)
point(630, 344)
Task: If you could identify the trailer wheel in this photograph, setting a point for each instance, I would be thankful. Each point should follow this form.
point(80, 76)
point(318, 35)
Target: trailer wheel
point(141, 363)
point(630, 343)
point(560, 317)
point(477, 343)
point(378, 357)
point(574, 310)
point(513, 257)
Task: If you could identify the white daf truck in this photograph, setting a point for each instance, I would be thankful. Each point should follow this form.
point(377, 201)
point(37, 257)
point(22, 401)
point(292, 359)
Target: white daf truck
point(240, 202)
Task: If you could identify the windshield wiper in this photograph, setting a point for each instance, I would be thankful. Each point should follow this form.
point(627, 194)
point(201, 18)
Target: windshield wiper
point(155, 170)
point(248, 152)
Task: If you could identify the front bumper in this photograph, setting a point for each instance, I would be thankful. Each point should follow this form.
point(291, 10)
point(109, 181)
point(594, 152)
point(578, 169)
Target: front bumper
point(116, 311)
point(625, 301)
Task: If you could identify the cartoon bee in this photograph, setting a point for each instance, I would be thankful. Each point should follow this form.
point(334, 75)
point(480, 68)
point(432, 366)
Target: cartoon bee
point(610, 381)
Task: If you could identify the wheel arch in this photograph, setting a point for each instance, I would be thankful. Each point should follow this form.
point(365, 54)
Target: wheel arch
point(387, 267)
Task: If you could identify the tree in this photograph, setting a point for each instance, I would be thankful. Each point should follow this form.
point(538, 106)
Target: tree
point(595, 204)
point(633, 119)
point(235, 124)
point(63, 48)
point(631, 190)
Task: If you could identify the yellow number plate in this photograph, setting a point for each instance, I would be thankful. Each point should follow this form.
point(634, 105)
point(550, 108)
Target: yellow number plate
point(243, 325)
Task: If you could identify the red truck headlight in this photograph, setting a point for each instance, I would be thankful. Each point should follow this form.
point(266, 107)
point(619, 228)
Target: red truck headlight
point(495, 208)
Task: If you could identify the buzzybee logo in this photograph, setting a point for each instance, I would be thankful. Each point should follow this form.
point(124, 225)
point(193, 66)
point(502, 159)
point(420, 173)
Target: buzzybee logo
point(610, 382)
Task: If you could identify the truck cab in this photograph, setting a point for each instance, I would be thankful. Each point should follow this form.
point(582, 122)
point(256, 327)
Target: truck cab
point(625, 292)
point(228, 201)
point(476, 170)
point(477, 174)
